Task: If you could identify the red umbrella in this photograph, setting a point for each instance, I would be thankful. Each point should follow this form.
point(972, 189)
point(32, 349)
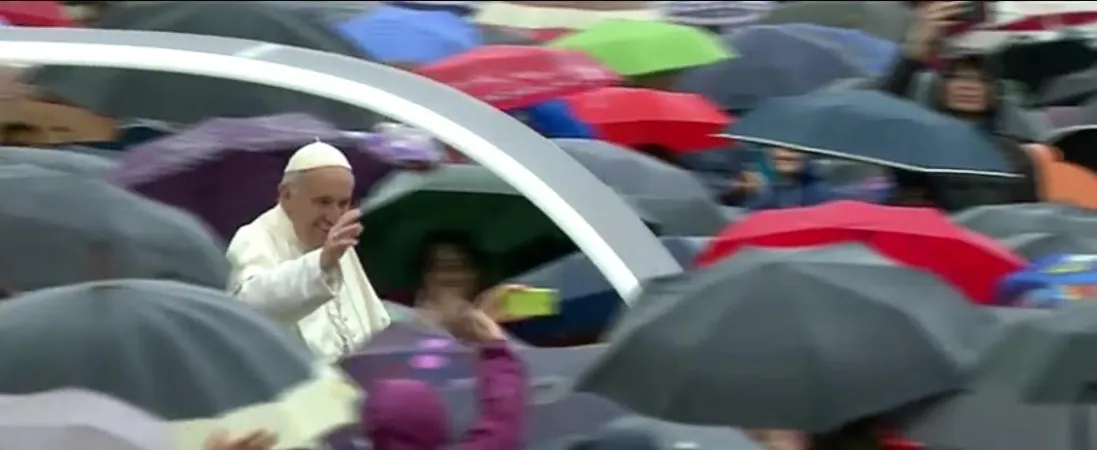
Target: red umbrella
point(35, 14)
point(516, 76)
point(643, 117)
point(919, 237)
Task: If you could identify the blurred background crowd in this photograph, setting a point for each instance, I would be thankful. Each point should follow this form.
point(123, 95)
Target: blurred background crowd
point(884, 213)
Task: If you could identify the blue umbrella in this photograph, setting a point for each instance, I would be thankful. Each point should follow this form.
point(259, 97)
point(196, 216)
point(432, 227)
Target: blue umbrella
point(392, 34)
point(872, 54)
point(876, 128)
point(772, 62)
point(554, 119)
point(1051, 282)
point(587, 300)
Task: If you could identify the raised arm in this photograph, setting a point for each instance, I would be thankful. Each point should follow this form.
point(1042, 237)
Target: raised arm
point(920, 45)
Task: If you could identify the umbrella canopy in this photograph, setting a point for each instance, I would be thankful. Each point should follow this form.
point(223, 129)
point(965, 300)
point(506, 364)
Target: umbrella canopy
point(1035, 230)
point(70, 418)
point(642, 118)
point(636, 47)
point(175, 350)
point(1036, 63)
point(885, 19)
point(463, 198)
point(61, 161)
point(181, 98)
point(773, 62)
point(913, 236)
point(860, 335)
point(872, 54)
point(723, 14)
point(666, 196)
point(587, 300)
point(550, 19)
point(1075, 140)
point(328, 12)
point(73, 228)
point(394, 34)
point(873, 127)
point(510, 76)
point(35, 14)
point(1068, 90)
point(1052, 281)
point(227, 171)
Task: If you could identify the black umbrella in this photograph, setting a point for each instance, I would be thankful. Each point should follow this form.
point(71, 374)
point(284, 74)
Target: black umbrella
point(1068, 90)
point(1077, 140)
point(1035, 229)
point(670, 198)
point(331, 13)
point(172, 349)
point(1036, 63)
point(61, 228)
point(61, 161)
point(183, 98)
point(1034, 388)
point(886, 19)
point(802, 339)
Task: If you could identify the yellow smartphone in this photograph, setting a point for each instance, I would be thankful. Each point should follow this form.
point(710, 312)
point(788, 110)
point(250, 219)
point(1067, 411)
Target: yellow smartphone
point(532, 302)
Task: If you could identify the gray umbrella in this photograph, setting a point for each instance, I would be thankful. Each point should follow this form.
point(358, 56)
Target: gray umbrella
point(175, 350)
point(670, 198)
point(1035, 230)
point(803, 339)
point(1026, 393)
point(65, 228)
point(61, 161)
point(178, 98)
point(885, 19)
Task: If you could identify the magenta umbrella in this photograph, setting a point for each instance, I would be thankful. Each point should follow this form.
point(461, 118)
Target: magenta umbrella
point(226, 171)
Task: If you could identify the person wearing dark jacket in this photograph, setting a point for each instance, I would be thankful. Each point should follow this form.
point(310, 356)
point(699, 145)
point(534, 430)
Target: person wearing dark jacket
point(405, 414)
point(792, 180)
point(967, 87)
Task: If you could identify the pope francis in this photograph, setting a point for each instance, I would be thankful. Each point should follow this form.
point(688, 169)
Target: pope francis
point(296, 262)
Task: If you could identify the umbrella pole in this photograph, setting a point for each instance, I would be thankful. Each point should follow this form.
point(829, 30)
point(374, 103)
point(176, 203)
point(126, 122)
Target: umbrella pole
point(1079, 428)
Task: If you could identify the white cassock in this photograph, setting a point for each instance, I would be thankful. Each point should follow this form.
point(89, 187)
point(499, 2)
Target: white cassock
point(333, 312)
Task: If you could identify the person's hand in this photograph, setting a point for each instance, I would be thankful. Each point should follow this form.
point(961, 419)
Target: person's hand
point(469, 323)
point(493, 301)
point(749, 183)
point(256, 440)
point(342, 235)
point(933, 19)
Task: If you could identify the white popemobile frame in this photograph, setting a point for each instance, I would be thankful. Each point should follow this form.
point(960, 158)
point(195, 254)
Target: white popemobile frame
point(599, 222)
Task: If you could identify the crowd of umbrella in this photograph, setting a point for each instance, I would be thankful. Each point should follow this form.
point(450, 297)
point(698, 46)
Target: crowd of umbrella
point(805, 318)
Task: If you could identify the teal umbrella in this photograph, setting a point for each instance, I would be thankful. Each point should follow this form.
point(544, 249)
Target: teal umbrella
point(407, 208)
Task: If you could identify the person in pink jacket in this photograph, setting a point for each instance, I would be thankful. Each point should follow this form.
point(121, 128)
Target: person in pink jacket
point(404, 414)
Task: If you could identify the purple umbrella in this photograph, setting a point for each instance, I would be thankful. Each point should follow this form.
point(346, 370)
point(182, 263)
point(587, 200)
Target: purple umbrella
point(227, 171)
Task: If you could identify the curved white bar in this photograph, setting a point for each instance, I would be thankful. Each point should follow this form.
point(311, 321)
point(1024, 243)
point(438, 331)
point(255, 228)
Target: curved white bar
point(599, 222)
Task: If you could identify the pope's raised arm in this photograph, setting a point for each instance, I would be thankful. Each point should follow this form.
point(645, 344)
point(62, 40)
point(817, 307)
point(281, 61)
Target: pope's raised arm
point(296, 261)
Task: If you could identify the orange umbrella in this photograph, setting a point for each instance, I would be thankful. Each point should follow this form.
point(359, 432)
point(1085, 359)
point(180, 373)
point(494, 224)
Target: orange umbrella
point(640, 118)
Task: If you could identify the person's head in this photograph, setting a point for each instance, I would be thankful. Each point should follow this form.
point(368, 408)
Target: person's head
point(967, 86)
point(19, 133)
point(787, 162)
point(403, 414)
point(317, 187)
point(450, 264)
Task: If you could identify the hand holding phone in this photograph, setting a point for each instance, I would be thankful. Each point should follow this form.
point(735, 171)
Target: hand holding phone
point(531, 302)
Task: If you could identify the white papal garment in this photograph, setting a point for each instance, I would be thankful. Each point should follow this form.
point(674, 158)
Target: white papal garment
point(333, 312)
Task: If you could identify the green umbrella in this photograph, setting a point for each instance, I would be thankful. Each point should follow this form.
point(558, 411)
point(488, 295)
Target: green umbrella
point(406, 208)
point(637, 47)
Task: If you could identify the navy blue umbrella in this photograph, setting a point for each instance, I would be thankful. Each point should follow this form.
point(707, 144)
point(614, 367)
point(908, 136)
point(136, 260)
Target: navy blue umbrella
point(587, 300)
point(773, 61)
point(876, 128)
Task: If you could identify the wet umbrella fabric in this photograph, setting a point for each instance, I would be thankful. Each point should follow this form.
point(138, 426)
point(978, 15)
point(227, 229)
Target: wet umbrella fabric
point(73, 228)
point(180, 98)
point(227, 171)
point(872, 54)
point(774, 62)
point(1035, 230)
point(61, 161)
point(723, 14)
point(175, 350)
point(668, 197)
point(587, 300)
point(394, 34)
point(331, 13)
point(875, 128)
point(859, 335)
point(1069, 90)
point(885, 19)
point(1036, 63)
point(70, 418)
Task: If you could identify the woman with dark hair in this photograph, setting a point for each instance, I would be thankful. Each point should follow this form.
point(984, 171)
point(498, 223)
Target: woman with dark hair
point(451, 270)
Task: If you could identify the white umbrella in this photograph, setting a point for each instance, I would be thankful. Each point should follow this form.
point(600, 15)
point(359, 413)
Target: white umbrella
point(76, 418)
